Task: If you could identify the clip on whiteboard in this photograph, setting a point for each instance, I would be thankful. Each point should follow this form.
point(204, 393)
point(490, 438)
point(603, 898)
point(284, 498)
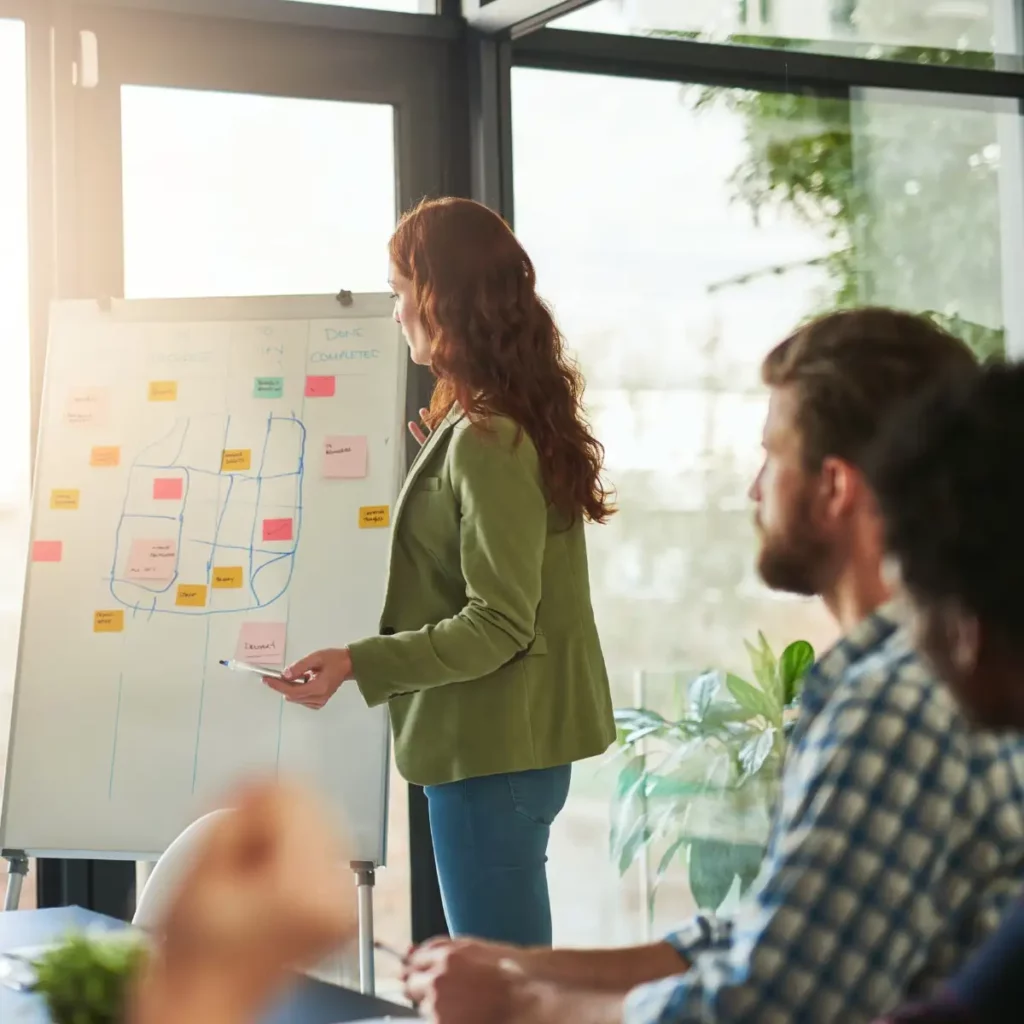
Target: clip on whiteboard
point(344, 298)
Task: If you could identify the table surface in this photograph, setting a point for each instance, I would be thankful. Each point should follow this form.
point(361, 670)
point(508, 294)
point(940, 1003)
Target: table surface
point(310, 1002)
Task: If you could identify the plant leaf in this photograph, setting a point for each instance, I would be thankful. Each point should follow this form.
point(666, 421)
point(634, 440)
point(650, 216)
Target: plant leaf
point(756, 751)
point(796, 659)
point(754, 700)
point(668, 857)
point(703, 691)
point(711, 872)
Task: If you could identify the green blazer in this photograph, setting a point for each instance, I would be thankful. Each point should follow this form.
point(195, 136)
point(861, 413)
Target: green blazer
point(489, 657)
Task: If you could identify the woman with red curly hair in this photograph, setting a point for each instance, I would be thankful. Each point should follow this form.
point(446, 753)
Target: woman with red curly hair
point(488, 658)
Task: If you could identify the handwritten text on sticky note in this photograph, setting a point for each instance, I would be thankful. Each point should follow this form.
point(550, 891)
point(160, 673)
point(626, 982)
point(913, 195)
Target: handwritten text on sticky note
point(163, 390)
point(268, 387)
point(47, 550)
point(227, 577)
point(152, 561)
point(374, 517)
point(169, 488)
point(262, 643)
point(105, 455)
point(191, 595)
point(320, 387)
point(277, 529)
point(344, 458)
point(64, 499)
point(108, 621)
point(236, 460)
point(87, 406)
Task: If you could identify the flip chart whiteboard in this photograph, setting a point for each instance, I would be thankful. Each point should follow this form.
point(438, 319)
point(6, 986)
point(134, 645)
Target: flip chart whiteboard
point(214, 480)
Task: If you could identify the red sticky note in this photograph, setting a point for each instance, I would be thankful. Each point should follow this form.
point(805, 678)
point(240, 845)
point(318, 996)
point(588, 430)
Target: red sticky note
point(168, 488)
point(47, 550)
point(320, 387)
point(277, 529)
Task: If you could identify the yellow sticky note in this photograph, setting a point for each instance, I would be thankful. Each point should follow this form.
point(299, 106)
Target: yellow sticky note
point(105, 455)
point(235, 459)
point(373, 516)
point(227, 577)
point(163, 390)
point(108, 622)
point(64, 499)
point(191, 595)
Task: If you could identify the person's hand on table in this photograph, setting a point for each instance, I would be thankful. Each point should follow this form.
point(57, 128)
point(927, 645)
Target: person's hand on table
point(325, 671)
point(268, 895)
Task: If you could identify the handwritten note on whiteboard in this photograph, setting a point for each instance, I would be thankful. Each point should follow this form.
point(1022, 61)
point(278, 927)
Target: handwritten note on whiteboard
point(262, 643)
point(344, 458)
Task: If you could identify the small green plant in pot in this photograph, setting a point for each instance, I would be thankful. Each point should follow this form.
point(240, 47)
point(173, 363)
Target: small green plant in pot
point(86, 979)
point(701, 788)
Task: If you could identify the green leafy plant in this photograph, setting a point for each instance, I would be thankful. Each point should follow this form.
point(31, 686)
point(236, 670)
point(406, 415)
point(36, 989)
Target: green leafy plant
point(701, 788)
point(85, 979)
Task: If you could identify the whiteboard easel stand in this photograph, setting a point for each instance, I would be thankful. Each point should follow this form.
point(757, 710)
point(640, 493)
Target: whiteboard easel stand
point(17, 869)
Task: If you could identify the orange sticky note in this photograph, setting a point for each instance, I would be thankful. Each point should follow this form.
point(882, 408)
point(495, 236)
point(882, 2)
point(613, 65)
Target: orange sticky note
point(227, 577)
point(191, 595)
point(235, 460)
point(163, 390)
point(64, 499)
point(47, 550)
point(108, 621)
point(374, 516)
point(105, 455)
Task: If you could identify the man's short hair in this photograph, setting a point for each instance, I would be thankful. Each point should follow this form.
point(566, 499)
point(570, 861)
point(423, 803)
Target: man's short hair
point(948, 472)
point(850, 368)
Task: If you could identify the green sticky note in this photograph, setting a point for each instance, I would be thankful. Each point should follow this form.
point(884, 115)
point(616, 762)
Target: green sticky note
point(268, 387)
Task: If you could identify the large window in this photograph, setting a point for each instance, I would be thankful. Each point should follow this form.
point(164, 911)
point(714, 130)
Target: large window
point(980, 33)
point(674, 259)
point(15, 423)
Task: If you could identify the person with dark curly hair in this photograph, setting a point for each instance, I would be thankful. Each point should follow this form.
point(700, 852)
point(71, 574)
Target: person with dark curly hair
point(488, 655)
point(947, 476)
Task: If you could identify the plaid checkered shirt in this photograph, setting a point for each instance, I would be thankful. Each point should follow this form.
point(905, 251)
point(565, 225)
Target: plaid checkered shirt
point(898, 844)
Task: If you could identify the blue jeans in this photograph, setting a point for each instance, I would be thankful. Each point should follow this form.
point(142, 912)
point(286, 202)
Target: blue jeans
point(490, 843)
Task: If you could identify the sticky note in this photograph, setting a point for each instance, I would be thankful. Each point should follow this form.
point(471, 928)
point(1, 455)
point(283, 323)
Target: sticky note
point(374, 516)
point(105, 455)
point(191, 595)
point(235, 459)
point(64, 499)
point(277, 529)
point(152, 561)
point(108, 621)
point(320, 387)
point(268, 387)
point(227, 577)
point(344, 458)
point(87, 405)
point(163, 390)
point(262, 643)
point(47, 550)
point(168, 488)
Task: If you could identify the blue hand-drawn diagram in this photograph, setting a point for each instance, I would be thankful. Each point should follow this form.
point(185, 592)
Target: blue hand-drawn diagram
point(220, 498)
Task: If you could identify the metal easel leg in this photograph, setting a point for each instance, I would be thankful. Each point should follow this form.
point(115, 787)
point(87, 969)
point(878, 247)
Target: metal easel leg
point(364, 890)
point(17, 869)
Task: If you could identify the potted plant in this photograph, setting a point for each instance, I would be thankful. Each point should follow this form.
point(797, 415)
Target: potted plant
point(85, 979)
point(701, 788)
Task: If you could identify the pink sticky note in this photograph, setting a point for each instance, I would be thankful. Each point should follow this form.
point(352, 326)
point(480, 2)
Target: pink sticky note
point(168, 488)
point(320, 387)
point(262, 643)
point(344, 458)
point(47, 550)
point(277, 529)
point(152, 561)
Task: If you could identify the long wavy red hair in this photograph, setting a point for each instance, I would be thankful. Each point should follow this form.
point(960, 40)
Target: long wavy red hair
point(495, 347)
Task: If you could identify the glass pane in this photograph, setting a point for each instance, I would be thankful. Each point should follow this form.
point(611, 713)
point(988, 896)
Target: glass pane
point(756, 211)
point(406, 6)
point(232, 194)
point(15, 410)
point(919, 31)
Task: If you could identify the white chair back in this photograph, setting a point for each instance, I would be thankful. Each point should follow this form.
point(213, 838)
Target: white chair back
point(170, 871)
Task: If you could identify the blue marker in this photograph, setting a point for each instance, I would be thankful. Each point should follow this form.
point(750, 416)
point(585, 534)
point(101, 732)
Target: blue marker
point(261, 670)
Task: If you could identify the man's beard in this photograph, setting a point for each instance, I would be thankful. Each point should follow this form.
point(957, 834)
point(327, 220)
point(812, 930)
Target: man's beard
point(795, 560)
